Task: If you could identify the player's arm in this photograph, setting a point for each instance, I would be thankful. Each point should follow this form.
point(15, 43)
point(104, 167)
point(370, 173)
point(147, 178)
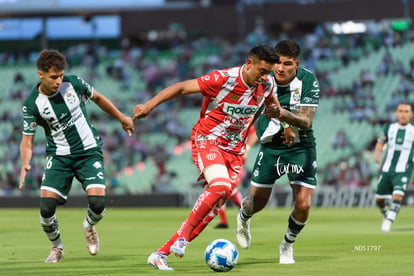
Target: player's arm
point(378, 148)
point(288, 133)
point(107, 106)
point(302, 120)
point(175, 90)
point(26, 152)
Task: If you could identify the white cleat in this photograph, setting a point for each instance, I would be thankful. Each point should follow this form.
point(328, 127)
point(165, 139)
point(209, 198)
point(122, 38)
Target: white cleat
point(386, 225)
point(56, 255)
point(159, 261)
point(179, 246)
point(92, 240)
point(286, 253)
point(243, 232)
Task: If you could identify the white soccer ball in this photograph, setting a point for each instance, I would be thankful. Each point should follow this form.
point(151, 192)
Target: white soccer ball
point(221, 255)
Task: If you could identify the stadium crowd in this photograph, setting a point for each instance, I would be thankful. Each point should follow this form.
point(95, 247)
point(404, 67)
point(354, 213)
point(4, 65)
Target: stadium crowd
point(179, 64)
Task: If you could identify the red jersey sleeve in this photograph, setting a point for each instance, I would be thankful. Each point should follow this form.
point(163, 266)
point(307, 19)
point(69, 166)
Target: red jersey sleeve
point(211, 83)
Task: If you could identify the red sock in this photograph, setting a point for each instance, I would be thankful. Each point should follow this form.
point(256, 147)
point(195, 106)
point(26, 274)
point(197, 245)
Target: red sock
point(237, 198)
point(204, 223)
point(165, 249)
point(222, 213)
point(204, 205)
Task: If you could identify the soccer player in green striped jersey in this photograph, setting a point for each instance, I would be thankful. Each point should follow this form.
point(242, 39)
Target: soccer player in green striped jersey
point(398, 164)
point(58, 104)
point(298, 94)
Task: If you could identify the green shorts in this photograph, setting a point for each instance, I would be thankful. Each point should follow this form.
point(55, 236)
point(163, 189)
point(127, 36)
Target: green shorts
point(392, 183)
point(298, 163)
point(88, 168)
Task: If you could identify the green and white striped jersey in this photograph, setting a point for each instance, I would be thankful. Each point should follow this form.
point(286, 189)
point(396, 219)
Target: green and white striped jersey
point(303, 90)
point(400, 148)
point(63, 117)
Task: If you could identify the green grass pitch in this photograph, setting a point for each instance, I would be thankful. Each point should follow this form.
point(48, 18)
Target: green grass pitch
point(337, 241)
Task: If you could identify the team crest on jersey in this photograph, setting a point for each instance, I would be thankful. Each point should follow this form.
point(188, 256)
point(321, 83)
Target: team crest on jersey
point(70, 97)
point(296, 95)
point(211, 156)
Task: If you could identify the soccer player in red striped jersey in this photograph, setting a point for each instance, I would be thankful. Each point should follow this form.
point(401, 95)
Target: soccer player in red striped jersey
point(232, 97)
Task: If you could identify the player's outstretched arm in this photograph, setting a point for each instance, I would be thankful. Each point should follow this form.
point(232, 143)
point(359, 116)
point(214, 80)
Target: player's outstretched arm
point(26, 152)
point(107, 106)
point(175, 90)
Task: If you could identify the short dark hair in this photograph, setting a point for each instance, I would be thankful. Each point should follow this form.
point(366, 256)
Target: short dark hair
point(287, 48)
point(263, 52)
point(49, 58)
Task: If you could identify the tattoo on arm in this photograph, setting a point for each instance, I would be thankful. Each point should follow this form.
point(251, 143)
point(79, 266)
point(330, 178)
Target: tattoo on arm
point(303, 119)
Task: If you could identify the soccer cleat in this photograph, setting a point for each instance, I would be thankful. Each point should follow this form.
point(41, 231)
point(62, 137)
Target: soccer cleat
point(178, 248)
point(159, 261)
point(221, 226)
point(286, 253)
point(55, 255)
point(386, 225)
point(92, 240)
point(243, 232)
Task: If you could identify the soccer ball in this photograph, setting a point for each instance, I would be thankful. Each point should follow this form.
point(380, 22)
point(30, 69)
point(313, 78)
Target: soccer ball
point(221, 255)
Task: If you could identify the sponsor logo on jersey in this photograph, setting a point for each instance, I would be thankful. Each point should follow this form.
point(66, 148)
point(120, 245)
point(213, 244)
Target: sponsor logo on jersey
point(288, 168)
point(309, 100)
point(236, 109)
point(27, 126)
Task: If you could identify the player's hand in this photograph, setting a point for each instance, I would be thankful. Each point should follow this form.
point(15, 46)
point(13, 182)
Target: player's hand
point(273, 111)
point(141, 111)
point(289, 136)
point(377, 158)
point(23, 173)
point(128, 125)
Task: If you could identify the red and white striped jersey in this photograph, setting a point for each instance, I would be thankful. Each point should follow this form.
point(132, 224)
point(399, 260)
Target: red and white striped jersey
point(229, 107)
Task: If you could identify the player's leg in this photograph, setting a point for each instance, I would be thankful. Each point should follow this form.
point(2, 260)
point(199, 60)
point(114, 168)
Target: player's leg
point(50, 225)
point(383, 193)
point(91, 173)
point(54, 188)
point(296, 222)
point(223, 218)
point(263, 177)
point(400, 181)
point(236, 197)
point(219, 189)
point(302, 176)
point(383, 197)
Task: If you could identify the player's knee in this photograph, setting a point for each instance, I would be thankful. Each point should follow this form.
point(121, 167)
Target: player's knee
point(302, 206)
point(97, 204)
point(47, 207)
point(222, 186)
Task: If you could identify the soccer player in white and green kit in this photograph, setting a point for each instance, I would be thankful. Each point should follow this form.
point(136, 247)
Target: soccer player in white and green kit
point(298, 94)
point(58, 104)
point(398, 164)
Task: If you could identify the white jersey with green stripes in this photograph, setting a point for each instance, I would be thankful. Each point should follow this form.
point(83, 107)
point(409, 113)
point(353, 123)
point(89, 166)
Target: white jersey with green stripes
point(303, 90)
point(400, 148)
point(63, 117)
